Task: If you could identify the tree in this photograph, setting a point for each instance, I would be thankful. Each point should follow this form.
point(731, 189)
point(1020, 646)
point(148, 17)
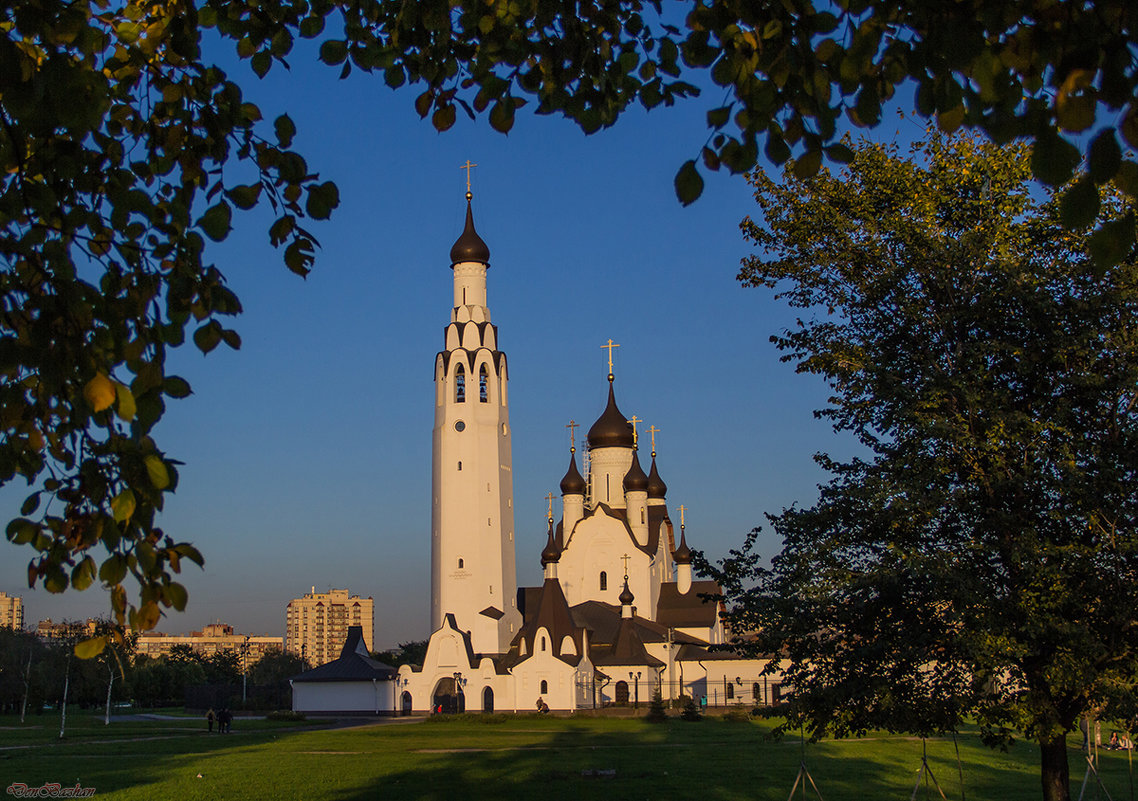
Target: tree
point(981, 558)
point(123, 151)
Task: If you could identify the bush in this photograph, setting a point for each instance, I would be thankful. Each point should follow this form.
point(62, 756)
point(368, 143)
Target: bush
point(737, 714)
point(691, 711)
point(285, 714)
point(657, 711)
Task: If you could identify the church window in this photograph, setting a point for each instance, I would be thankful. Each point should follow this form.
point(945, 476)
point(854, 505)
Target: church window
point(543, 646)
point(460, 466)
point(544, 686)
point(460, 385)
point(483, 385)
point(604, 581)
point(730, 691)
point(460, 563)
point(642, 520)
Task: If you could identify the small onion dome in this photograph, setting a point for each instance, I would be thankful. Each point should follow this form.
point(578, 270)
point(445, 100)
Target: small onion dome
point(611, 430)
point(572, 484)
point(656, 486)
point(682, 554)
point(626, 596)
point(550, 553)
point(634, 479)
point(469, 246)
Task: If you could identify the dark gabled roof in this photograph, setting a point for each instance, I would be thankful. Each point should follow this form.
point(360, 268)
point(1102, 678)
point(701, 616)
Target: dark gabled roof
point(687, 610)
point(612, 429)
point(469, 245)
point(353, 664)
point(695, 653)
point(547, 609)
point(627, 649)
point(493, 612)
point(603, 622)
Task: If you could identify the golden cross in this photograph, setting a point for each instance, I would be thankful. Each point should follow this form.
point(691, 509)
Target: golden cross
point(573, 426)
point(682, 507)
point(467, 167)
point(610, 346)
point(653, 431)
point(635, 437)
point(549, 498)
point(625, 559)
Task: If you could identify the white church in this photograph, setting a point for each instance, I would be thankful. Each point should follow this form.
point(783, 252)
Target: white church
point(617, 616)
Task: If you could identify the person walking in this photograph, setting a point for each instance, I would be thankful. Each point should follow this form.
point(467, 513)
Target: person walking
point(210, 717)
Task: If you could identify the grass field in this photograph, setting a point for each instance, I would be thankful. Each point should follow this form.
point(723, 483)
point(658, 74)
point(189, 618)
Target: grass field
point(545, 758)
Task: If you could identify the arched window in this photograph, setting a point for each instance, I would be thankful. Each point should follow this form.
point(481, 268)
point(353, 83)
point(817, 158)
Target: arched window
point(483, 385)
point(730, 691)
point(460, 563)
point(604, 581)
point(460, 385)
point(544, 686)
point(543, 648)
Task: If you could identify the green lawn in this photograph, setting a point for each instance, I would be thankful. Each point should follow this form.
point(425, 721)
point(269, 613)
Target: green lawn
point(525, 757)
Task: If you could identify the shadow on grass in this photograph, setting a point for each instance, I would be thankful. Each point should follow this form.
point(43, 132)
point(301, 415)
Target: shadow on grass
point(535, 757)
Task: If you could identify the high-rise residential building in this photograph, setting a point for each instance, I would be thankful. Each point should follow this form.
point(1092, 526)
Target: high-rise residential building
point(316, 625)
point(11, 611)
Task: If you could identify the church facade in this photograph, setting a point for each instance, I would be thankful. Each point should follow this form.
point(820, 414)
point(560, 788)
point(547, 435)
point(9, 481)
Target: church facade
point(618, 615)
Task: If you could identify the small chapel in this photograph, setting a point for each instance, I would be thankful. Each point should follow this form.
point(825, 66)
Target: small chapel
point(618, 615)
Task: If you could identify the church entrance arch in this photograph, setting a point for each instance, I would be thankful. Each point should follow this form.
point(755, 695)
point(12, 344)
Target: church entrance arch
point(447, 699)
point(488, 699)
point(621, 691)
point(405, 702)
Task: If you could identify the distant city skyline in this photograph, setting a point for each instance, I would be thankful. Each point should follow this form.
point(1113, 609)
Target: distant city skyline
point(307, 453)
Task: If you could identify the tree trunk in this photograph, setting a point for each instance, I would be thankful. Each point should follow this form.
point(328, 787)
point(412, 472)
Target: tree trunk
point(110, 684)
point(66, 686)
point(27, 686)
point(1054, 769)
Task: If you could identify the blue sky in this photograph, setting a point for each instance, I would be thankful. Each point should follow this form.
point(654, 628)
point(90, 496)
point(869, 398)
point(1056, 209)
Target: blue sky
point(307, 452)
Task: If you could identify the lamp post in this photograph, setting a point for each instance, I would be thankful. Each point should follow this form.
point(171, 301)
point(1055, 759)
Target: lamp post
point(635, 676)
point(244, 668)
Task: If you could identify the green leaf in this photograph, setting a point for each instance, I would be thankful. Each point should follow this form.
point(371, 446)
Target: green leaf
point(113, 570)
point(285, 130)
point(175, 595)
point(1053, 158)
point(208, 336)
point(126, 408)
point(502, 115)
point(21, 531)
point(689, 183)
point(322, 198)
point(84, 574)
point(89, 649)
point(1112, 242)
point(717, 117)
point(1105, 156)
point(157, 472)
point(333, 51)
point(949, 121)
point(176, 387)
point(1127, 178)
point(215, 222)
point(1079, 205)
point(261, 62)
point(122, 506)
point(244, 196)
point(839, 153)
point(808, 164)
point(31, 503)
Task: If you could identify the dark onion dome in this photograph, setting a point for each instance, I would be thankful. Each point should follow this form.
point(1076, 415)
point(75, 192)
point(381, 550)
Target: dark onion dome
point(551, 553)
point(469, 246)
point(573, 483)
point(634, 479)
point(611, 430)
point(682, 554)
point(626, 596)
point(656, 486)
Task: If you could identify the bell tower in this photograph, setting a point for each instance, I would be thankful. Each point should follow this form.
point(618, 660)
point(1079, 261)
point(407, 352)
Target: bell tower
point(472, 516)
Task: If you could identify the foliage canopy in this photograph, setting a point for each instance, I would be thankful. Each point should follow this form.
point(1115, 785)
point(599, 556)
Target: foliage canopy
point(124, 152)
point(981, 559)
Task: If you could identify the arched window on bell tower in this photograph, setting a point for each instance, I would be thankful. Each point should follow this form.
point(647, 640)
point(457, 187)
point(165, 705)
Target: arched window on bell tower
point(483, 385)
point(460, 385)
point(604, 581)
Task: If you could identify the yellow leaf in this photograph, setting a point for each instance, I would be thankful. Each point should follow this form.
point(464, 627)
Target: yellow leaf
point(86, 649)
point(126, 408)
point(122, 505)
point(99, 392)
point(156, 469)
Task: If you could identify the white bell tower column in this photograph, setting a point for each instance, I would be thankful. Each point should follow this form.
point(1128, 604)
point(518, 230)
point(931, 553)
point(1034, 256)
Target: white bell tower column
point(472, 516)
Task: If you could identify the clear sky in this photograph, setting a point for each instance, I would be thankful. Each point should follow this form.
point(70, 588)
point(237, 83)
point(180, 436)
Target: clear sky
point(307, 452)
